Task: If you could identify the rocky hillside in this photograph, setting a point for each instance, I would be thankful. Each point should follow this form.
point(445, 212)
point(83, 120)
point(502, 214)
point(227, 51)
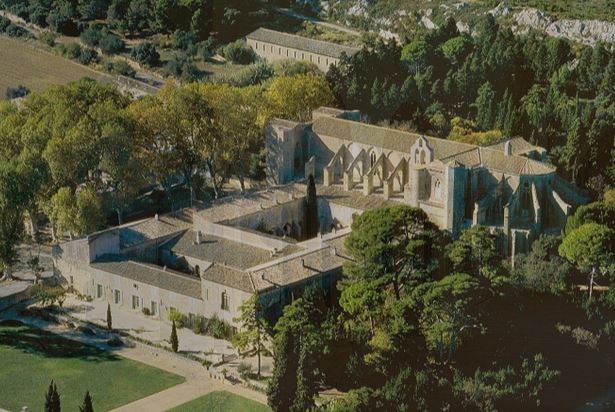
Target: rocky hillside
point(395, 18)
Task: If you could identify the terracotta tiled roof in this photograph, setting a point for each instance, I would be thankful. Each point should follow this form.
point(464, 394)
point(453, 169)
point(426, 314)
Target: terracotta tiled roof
point(444, 150)
point(301, 43)
point(230, 277)
point(518, 144)
point(219, 250)
point(148, 229)
point(152, 275)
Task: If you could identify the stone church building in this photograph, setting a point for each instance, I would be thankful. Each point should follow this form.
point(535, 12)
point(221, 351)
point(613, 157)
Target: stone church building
point(208, 262)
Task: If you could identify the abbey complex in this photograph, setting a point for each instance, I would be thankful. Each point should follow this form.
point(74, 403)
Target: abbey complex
point(208, 262)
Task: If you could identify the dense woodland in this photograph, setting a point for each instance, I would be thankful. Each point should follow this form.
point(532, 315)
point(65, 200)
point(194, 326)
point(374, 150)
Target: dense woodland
point(492, 85)
point(421, 322)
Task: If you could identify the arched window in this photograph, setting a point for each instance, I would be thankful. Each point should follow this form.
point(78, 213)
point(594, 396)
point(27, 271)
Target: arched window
point(422, 157)
point(288, 229)
point(372, 159)
point(437, 189)
point(416, 156)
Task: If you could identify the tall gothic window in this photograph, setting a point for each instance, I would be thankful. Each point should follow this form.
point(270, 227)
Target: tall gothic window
point(437, 189)
point(372, 159)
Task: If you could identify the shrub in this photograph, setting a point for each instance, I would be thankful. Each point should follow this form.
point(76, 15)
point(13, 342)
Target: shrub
point(253, 74)
point(4, 23)
point(91, 36)
point(111, 44)
point(17, 91)
point(71, 50)
point(207, 363)
point(207, 48)
point(245, 370)
point(183, 39)
point(59, 21)
point(16, 31)
point(146, 311)
point(88, 56)
point(177, 317)
point(48, 38)
point(294, 68)
point(239, 52)
point(121, 67)
point(146, 53)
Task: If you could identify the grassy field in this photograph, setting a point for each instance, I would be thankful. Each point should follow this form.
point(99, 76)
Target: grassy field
point(30, 358)
point(23, 63)
point(221, 402)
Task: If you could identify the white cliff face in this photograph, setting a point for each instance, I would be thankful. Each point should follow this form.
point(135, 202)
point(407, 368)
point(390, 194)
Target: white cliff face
point(587, 32)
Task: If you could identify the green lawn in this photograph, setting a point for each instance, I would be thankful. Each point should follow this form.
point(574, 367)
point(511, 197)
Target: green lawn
point(30, 358)
point(221, 401)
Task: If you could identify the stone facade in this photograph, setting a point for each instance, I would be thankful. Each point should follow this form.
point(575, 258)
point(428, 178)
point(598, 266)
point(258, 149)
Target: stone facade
point(274, 46)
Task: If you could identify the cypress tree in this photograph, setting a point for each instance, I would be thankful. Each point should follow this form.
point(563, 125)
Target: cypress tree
point(306, 384)
point(87, 403)
point(174, 340)
point(283, 383)
point(48, 398)
point(311, 210)
point(109, 320)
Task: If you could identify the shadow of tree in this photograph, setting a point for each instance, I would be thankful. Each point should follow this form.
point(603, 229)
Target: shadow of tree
point(42, 343)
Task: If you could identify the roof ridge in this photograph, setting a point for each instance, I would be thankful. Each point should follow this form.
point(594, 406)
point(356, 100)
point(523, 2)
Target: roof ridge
point(303, 37)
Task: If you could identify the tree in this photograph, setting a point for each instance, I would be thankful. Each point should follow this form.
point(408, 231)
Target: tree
point(109, 318)
point(393, 246)
point(591, 247)
point(52, 399)
point(251, 335)
point(448, 312)
point(282, 385)
point(294, 98)
point(174, 339)
point(146, 53)
point(311, 225)
point(87, 403)
point(12, 199)
point(485, 106)
point(307, 387)
point(475, 252)
point(542, 270)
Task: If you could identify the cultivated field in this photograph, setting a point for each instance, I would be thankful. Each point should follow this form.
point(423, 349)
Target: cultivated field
point(30, 358)
point(23, 63)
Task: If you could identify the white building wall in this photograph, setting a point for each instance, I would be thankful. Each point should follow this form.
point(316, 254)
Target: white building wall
point(273, 52)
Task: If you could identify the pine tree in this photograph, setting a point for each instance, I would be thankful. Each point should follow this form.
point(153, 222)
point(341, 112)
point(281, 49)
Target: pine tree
point(174, 340)
point(311, 223)
point(52, 399)
point(283, 383)
point(87, 403)
point(109, 319)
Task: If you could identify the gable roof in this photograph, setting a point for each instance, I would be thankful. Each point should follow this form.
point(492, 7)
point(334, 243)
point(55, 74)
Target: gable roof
point(301, 43)
point(444, 150)
point(167, 279)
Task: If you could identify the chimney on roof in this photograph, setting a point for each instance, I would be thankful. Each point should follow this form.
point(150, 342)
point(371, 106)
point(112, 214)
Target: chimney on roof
point(156, 217)
point(333, 251)
point(164, 268)
point(508, 148)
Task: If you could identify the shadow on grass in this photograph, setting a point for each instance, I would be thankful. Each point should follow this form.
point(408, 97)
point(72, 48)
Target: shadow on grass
point(41, 343)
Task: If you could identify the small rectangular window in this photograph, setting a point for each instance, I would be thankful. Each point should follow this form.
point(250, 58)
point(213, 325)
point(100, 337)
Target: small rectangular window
point(154, 308)
point(117, 298)
point(99, 291)
point(135, 302)
point(224, 304)
point(256, 45)
point(279, 50)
